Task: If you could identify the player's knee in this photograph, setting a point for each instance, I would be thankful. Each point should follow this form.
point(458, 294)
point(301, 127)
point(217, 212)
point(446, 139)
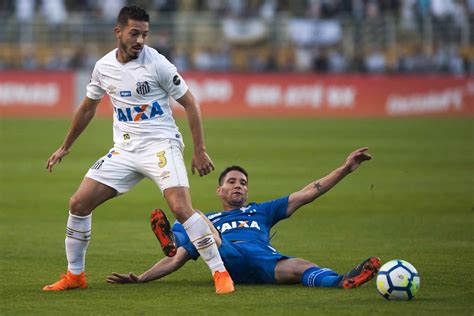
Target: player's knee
point(302, 266)
point(78, 207)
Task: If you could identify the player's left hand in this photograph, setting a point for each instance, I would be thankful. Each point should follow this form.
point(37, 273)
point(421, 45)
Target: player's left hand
point(202, 163)
point(117, 278)
point(355, 158)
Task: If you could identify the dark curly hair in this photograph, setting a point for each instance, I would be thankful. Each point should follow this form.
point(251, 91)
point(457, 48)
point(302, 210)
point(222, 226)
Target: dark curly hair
point(131, 13)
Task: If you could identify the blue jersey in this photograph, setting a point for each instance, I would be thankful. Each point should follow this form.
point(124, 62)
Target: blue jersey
point(245, 234)
point(250, 223)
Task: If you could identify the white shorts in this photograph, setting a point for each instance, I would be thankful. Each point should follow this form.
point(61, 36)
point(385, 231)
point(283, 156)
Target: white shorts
point(121, 169)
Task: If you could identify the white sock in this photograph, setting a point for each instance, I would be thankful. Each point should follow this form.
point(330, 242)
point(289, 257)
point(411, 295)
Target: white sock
point(78, 235)
point(201, 236)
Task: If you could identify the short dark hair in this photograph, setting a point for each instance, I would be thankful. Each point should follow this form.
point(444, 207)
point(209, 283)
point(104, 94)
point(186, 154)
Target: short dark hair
point(229, 169)
point(131, 13)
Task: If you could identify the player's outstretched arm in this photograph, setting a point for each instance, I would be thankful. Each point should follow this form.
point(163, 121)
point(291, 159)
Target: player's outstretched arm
point(162, 268)
point(82, 117)
point(317, 188)
point(201, 160)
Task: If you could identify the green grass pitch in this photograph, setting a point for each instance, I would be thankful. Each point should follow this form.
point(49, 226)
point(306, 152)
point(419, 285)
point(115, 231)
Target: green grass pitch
point(413, 201)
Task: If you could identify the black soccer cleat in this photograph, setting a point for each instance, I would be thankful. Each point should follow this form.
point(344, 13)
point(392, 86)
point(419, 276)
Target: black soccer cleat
point(162, 230)
point(361, 274)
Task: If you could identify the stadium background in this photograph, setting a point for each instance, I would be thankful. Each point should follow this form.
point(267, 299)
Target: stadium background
point(287, 89)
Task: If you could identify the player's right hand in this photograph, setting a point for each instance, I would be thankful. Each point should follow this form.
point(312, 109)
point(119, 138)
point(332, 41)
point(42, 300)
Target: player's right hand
point(356, 157)
point(117, 278)
point(56, 157)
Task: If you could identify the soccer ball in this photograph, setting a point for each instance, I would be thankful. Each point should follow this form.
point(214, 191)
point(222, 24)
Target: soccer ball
point(398, 280)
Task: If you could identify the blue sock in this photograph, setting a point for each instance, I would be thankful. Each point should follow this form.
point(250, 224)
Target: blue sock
point(320, 277)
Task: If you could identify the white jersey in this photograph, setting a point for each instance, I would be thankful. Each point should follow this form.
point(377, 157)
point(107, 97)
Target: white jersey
point(139, 91)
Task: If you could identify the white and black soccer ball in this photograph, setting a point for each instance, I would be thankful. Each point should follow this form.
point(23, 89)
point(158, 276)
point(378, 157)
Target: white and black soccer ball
point(398, 280)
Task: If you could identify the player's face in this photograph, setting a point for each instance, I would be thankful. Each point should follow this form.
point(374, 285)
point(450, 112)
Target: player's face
point(234, 190)
point(132, 38)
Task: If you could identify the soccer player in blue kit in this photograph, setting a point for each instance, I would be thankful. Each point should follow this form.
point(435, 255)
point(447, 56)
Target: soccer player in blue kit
point(242, 234)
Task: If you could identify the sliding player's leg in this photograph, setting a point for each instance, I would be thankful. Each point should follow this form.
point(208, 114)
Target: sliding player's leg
point(361, 274)
point(161, 227)
point(296, 270)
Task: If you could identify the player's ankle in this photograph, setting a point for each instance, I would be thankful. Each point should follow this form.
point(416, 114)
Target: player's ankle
point(217, 268)
point(75, 272)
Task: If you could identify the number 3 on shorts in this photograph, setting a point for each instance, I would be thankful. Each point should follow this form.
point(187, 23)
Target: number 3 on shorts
point(161, 158)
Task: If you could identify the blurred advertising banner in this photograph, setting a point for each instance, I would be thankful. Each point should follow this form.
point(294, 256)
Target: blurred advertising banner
point(246, 94)
point(25, 93)
point(331, 95)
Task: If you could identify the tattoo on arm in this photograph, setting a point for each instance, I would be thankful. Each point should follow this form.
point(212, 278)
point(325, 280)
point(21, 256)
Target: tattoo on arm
point(318, 187)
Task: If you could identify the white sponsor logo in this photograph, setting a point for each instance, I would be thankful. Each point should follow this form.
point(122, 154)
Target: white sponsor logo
point(210, 217)
point(39, 94)
point(263, 95)
point(238, 224)
point(435, 101)
point(340, 97)
point(300, 96)
point(470, 87)
point(210, 90)
point(245, 208)
point(303, 96)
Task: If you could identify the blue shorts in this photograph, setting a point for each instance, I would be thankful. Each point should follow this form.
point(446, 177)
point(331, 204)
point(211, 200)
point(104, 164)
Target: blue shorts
point(247, 262)
point(250, 262)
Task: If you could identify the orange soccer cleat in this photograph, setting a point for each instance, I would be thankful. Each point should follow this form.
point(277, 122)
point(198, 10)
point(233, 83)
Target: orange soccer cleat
point(223, 282)
point(361, 274)
point(68, 281)
point(162, 229)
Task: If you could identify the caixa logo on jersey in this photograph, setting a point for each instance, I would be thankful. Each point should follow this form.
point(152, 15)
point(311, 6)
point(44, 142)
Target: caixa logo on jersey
point(139, 113)
point(143, 87)
point(238, 224)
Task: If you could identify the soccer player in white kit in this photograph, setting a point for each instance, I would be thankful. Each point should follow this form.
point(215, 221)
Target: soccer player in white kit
point(147, 143)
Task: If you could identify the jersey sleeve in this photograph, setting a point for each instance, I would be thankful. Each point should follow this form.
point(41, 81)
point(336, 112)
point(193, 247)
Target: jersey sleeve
point(169, 79)
point(182, 240)
point(275, 210)
point(94, 88)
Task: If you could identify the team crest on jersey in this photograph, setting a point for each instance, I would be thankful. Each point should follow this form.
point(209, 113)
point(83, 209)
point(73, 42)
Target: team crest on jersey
point(143, 87)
